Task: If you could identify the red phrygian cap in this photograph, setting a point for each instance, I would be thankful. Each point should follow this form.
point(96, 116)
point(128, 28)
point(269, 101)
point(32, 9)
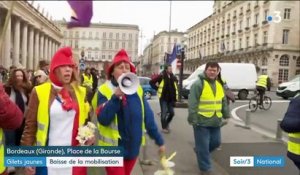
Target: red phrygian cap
point(121, 56)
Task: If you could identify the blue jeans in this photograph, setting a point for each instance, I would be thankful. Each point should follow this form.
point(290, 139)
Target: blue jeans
point(167, 113)
point(207, 139)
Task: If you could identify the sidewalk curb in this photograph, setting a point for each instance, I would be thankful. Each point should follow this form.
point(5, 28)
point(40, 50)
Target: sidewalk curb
point(259, 130)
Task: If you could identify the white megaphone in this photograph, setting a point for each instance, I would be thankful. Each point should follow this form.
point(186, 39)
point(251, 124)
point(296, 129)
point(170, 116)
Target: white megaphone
point(128, 83)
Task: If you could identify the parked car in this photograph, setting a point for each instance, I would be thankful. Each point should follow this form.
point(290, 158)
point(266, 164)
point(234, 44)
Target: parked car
point(148, 90)
point(240, 78)
point(289, 89)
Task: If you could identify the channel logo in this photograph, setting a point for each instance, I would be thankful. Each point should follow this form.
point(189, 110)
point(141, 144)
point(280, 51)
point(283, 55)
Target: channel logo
point(276, 18)
point(257, 161)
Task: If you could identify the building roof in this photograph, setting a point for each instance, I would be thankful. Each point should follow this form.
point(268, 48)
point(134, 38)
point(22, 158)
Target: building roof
point(105, 25)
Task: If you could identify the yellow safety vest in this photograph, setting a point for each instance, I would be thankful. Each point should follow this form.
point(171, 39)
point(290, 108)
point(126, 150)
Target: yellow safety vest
point(95, 100)
point(294, 140)
point(109, 135)
point(209, 104)
point(262, 81)
point(2, 167)
point(294, 143)
point(43, 92)
point(87, 81)
point(160, 88)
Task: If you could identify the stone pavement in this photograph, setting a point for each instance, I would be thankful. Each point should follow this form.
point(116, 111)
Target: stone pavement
point(238, 141)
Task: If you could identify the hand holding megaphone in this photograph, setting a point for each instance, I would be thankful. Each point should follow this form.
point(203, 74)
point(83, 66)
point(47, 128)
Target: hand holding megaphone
point(128, 83)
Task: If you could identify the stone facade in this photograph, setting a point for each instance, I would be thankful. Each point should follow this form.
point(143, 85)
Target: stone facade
point(99, 43)
point(30, 36)
point(154, 54)
point(239, 31)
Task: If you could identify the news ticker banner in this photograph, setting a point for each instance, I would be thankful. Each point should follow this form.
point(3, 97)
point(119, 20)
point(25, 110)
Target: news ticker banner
point(257, 161)
point(63, 156)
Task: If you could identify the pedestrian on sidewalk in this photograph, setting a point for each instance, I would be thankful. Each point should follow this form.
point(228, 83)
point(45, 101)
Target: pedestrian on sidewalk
point(55, 112)
point(207, 107)
point(123, 119)
point(11, 117)
point(291, 125)
point(167, 91)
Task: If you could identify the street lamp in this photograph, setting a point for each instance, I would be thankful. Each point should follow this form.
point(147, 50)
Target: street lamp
point(182, 57)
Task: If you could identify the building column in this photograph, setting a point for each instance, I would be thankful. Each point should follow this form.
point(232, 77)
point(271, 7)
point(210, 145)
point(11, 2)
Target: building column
point(53, 48)
point(42, 47)
point(46, 48)
point(7, 46)
point(36, 50)
point(24, 45)
point(30, 50)
point(16, 47)
point(56, 47)
point(49, 49)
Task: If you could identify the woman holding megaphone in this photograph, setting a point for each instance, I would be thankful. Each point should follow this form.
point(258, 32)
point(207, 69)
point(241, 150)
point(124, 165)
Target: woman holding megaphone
point(124, 116)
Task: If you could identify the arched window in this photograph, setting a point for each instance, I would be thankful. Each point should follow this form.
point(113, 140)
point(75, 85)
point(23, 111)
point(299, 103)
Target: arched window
point(284, 60)
point(264, 61)
point(298, 62)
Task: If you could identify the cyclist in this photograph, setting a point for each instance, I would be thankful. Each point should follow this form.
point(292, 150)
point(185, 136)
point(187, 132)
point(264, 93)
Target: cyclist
point(263, 83)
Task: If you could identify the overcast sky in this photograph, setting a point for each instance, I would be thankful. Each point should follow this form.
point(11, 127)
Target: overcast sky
point(151, 16)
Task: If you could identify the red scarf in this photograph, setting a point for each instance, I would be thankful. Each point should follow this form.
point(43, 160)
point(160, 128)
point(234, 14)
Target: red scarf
point(67, 102)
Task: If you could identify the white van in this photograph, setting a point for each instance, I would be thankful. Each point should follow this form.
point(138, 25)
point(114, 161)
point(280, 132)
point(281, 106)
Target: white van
point(290, 88)
point(240, 77)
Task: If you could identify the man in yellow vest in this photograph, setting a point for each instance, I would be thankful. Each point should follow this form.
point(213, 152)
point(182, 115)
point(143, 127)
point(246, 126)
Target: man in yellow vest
point(291, 125)
point(207, 107)
point(87, 82)
point(167, 91)
point(56, 110)
point(11, 117)
point(263, 83)
point(87, 79)
point(123, 119)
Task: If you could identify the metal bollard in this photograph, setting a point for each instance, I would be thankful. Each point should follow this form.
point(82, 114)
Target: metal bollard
point(247, 119)
point(279, 130)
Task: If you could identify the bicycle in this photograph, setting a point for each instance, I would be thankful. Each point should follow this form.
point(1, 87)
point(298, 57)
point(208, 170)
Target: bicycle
point(254, 103)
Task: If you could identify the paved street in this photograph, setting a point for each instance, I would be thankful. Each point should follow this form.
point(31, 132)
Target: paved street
point(261, 120)
point(236, 141)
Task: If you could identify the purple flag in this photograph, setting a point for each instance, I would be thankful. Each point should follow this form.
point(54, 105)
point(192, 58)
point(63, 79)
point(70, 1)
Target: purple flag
point(83, 11)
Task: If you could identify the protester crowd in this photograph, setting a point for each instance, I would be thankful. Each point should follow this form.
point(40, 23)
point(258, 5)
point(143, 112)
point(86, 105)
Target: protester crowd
point(46, 106)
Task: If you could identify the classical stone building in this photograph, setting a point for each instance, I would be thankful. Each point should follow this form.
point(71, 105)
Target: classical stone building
point(265, 33)
point(154, 53)
point(30, 36)
point(99, 43)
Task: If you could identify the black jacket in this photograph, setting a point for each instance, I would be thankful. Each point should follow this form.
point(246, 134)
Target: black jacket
point(291, 123)
point(291, 120)
point(169, 90)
